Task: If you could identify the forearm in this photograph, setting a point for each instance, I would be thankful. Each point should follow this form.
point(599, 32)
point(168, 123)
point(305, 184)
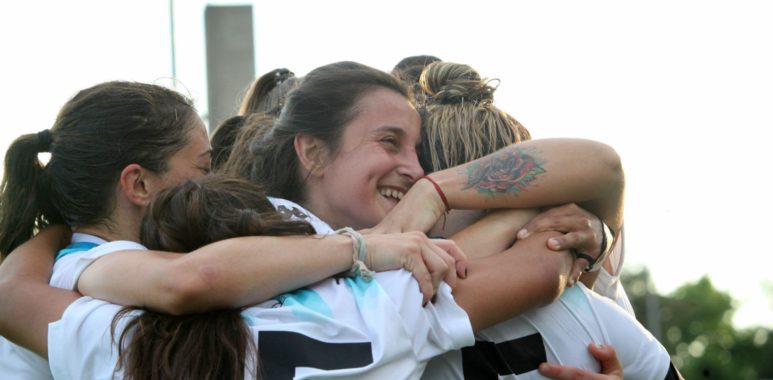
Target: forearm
point(538, 173)
point(28, 304)
point(501, 286)
point(494, 233)
point(229, 273)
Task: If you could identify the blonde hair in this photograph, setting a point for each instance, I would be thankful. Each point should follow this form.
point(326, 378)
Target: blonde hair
point(461, 122)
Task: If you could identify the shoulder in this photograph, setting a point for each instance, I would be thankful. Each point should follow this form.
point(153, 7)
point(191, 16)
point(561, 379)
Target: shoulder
point(293, 211)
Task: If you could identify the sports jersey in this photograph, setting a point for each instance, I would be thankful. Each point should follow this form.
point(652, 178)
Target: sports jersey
point(293, 211)
point(558, 333)
point(336, 329)
point(18, 363)
point(609, 284)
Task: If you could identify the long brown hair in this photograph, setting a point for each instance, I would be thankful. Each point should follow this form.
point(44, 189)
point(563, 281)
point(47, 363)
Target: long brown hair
point(212, 345)
point(96, 134)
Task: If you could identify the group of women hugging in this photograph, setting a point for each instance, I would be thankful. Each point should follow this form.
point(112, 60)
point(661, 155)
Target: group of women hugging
point(350, 223)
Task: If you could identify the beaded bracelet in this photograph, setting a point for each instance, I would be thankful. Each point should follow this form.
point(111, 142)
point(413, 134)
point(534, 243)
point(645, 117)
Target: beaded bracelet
point(358, 255)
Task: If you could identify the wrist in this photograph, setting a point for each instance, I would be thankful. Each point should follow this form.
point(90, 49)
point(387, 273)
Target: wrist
point(440, 202)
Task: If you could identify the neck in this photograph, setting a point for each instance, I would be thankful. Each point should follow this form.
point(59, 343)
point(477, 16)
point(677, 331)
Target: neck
point(123, 224)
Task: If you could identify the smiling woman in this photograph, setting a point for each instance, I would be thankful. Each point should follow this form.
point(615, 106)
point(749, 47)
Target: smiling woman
point(348, 123)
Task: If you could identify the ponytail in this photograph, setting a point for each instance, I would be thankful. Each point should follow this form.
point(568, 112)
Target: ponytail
point(24, 194)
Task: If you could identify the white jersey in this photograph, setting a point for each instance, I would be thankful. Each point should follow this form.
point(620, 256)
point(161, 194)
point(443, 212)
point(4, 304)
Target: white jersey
point(18, 363)
point(557, 333)
point(336, 329)
point(608, 284)
point(294, 211)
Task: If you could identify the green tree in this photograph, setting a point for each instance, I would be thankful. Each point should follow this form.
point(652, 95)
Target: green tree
point(694, 324)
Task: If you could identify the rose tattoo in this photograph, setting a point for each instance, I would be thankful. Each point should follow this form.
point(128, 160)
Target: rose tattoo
point(508, 171)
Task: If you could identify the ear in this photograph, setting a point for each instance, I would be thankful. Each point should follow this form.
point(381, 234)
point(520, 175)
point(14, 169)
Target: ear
point(311, 152)
point(134, 185)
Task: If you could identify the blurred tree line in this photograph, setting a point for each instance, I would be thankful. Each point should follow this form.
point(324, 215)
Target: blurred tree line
point(694, 324)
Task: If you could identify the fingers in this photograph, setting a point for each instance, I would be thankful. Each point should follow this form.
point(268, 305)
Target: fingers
point(607, 356)
point(557, 219)
point(448, 273)
point(611, 368)
point(559, 372)
point(459, 257)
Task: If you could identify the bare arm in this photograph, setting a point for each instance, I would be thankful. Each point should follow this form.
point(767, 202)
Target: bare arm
point(535, 173)
point(28, 304)
point(247, 270)
point(492, 234)
point(523, 277)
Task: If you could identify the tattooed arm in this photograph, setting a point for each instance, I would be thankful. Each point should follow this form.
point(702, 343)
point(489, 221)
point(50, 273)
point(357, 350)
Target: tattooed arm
point(535, 173)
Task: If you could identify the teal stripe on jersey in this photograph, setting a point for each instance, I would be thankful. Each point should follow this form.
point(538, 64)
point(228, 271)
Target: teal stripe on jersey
point(75, 247)
point(305, 304)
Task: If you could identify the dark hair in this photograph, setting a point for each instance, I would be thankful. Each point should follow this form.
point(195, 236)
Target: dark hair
point(223, 138)
point(409, 68)
point(269, 92)
point(97, 133)
point(321, 106)
point(460, 121)
point(239, 162)
point(409, 71)
point(212, 345)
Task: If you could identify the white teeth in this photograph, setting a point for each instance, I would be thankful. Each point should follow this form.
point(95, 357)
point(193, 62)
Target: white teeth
point(392, 193)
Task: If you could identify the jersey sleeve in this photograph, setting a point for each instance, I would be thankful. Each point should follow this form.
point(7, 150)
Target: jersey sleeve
point(436, 328)
point(68, 269)
point(80, 345)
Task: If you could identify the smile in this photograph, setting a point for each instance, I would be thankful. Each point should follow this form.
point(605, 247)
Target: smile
point(392, 193)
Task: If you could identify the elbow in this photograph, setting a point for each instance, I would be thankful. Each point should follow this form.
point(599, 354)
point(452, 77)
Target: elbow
point(614, 166)
point(184, 293)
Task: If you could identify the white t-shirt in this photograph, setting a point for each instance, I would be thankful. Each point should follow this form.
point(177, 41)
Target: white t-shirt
point(338, 328)
point(557, 333)
point(18, 363)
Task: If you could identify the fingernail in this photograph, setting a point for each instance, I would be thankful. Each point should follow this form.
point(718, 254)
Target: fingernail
point(554, 243)
point(600, 346)
point(522, 233)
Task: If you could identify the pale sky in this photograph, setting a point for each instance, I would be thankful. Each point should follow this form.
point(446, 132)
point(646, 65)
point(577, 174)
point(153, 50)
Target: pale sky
point(682, 89)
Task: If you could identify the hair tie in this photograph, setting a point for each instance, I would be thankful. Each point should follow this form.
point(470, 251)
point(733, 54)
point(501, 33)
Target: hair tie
point(44, 140)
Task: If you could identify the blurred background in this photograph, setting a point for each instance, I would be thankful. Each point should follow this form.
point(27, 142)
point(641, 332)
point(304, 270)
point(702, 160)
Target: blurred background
point(683, 90)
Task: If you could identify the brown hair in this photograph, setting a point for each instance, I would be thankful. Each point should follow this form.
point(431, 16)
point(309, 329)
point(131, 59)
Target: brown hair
point(239, 161)
point(97, 133)
point(460, 121)
point(321, 106)
point(269, 92)
point(212, 345)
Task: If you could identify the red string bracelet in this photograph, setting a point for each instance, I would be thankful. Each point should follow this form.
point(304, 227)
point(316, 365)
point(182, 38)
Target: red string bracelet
point(440, 192)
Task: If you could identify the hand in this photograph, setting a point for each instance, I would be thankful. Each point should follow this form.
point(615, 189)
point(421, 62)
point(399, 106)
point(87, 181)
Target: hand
point(418, 210)
point(430, 260)
point(611, 368)
point(582, 232)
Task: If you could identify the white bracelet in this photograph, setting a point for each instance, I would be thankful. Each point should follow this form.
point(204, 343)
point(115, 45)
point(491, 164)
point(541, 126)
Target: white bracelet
point(358, 255)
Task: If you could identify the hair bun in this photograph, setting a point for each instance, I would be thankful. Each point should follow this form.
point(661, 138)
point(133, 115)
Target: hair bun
point(455, 83)
point(44, 140)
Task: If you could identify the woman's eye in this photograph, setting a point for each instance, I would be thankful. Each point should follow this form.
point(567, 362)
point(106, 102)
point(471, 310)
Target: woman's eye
point(389, 141)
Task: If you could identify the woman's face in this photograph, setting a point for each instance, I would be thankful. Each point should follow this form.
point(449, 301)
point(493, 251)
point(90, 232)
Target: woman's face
point(375, 164)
